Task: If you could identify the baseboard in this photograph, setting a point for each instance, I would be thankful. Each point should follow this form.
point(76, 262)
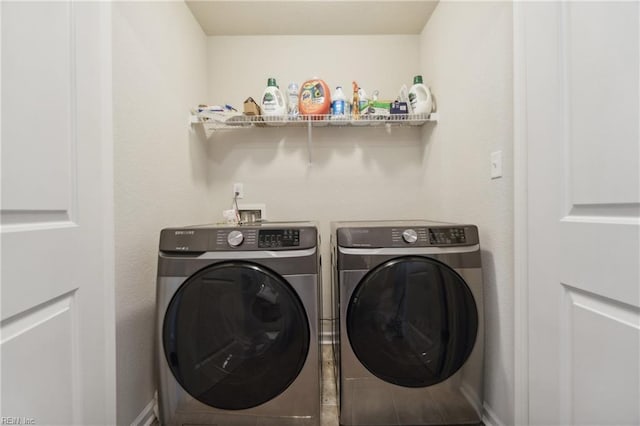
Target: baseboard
point(147, 416)
point(489, 417)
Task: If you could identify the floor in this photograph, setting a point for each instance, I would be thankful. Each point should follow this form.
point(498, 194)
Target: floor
point(329, 408)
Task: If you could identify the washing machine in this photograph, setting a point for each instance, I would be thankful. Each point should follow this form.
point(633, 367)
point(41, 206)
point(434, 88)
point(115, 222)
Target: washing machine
point(408, 304)
point(237, 325)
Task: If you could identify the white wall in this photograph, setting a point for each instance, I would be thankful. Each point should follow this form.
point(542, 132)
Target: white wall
point(159, 73)
point(467, 58)
point(357, 173)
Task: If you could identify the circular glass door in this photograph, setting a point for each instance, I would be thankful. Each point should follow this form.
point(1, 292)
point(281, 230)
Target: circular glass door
point(412, 321)
point(235, 335)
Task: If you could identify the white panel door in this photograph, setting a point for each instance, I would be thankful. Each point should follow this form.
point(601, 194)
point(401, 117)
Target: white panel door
point(581, 79)
point(57, 340)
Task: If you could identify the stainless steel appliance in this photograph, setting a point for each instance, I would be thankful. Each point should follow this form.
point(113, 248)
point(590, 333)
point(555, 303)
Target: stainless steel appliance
point(237, 325)
point(409, 308)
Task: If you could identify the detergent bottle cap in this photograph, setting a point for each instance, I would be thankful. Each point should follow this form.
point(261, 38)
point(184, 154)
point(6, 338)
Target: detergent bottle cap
point(417, 79)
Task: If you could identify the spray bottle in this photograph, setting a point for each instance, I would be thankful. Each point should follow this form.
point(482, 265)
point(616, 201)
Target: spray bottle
point(355, 108)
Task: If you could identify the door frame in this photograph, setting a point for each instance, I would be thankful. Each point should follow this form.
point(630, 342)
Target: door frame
point(108, 201)
point(520, 220)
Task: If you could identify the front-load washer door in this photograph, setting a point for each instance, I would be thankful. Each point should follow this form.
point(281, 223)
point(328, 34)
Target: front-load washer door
point(412, 321)
point(235, 335)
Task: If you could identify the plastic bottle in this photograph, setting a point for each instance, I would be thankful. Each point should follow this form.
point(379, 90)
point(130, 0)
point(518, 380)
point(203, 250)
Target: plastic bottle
point(338, 106)
point(315, 98)
point(364, 101)
point(420, 97)
point(273, 103)
point(292, 95)
point(355, 106)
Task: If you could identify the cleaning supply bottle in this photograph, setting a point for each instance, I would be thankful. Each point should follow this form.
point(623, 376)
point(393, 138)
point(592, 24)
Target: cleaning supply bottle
point(292, 95)
point(273, 103)
point(315, 98)
point(420, 97)
point(338, 104)
point(364, 101)
point(355, 106)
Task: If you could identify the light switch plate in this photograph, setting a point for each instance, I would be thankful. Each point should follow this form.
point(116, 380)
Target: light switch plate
point(496, 164)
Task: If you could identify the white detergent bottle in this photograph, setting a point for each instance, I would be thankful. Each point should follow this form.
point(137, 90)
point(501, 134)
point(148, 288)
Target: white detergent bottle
point(420, 97)
point(273, 103)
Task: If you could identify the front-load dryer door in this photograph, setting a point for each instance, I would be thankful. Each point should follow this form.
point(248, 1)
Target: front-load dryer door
point(412, 321)
point(235, 335)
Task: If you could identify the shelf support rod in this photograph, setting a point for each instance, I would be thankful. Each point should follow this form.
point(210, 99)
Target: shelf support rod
point(309, 141)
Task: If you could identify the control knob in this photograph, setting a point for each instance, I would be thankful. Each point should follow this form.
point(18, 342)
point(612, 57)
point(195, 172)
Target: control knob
point(409, 236)
point(235, 238)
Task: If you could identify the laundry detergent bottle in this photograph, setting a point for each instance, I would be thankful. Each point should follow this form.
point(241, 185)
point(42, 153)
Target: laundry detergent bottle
point(315, 98)
point(273, 103)
point(420, 97)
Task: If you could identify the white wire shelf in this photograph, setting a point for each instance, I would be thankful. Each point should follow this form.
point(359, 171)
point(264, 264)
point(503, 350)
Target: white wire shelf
point(214, 121)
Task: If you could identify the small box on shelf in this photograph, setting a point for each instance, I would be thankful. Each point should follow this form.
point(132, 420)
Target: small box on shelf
point(251, 108)
point(398, 108)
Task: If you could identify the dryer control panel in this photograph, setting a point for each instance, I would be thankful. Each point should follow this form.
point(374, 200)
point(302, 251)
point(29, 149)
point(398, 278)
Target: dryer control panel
point(412, 236)
point(448, 236)
point(273, 238)
point(408, 236)
point(245, 238)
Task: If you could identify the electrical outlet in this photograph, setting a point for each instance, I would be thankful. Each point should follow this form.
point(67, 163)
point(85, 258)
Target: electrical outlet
point(252, 212)
point(238, 189)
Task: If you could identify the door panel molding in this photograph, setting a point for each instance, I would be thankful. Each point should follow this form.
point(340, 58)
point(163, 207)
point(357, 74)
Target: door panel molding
point(40, 337)
point(40, 187)
point(595, 331)
point(623, 213)
point(31, 220)
point(601, 167)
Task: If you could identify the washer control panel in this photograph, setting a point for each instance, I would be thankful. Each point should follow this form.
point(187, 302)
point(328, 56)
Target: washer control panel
point(267, 238)
point(235, 238)
point(272, 238)
point(446, 236)
point(245, 238)
point(409, 235)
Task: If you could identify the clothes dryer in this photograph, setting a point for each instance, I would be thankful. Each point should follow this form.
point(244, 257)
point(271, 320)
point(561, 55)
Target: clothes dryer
point(409, 309)
point(237, 325)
